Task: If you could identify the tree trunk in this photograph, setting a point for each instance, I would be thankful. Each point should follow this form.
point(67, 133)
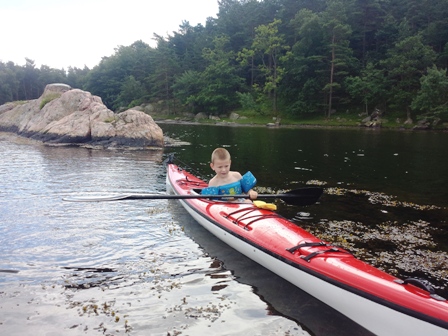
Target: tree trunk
point(275, 89)
point(330, 95)
point(167, 92)
point(408, 113)
point(252, 71)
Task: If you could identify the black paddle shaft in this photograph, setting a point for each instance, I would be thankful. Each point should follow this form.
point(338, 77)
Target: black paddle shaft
point(302, 196)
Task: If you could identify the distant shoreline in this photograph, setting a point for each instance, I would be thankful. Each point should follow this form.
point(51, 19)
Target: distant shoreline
point(292, 126)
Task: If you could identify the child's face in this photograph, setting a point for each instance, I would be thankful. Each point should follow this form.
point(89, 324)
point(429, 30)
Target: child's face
point(221, 167)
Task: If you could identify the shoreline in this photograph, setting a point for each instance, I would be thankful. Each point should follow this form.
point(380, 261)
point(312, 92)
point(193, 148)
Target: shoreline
point(293, 126)
point(11, 136)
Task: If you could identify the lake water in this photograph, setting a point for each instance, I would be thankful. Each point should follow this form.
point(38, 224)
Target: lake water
point(142, 267)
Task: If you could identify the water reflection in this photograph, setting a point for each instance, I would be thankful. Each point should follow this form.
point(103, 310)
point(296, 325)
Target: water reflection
point(142, 266)
point(118, 267)
point(409, 165)
point(379, 185)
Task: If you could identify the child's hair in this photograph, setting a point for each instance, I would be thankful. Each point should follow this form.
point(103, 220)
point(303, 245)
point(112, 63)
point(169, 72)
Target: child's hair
point(220, 154)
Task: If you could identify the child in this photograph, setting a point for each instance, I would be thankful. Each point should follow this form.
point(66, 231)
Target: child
point(224, 177)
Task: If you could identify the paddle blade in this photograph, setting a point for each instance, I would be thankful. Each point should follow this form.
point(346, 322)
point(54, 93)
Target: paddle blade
point(97, 198)
point(302, 196)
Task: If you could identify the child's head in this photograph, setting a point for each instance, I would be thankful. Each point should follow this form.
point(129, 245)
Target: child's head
point(221, 154)
point(220, 161)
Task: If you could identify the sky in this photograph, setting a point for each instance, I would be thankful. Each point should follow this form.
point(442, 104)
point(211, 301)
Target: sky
point(78, 33)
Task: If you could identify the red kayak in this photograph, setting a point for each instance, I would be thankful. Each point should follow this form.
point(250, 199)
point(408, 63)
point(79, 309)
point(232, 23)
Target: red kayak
point(376, 300)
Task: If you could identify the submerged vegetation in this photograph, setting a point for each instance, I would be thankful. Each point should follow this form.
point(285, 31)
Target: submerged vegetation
point(405, 246)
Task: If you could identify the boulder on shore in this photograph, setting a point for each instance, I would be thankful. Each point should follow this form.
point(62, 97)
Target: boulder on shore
point(74, 117)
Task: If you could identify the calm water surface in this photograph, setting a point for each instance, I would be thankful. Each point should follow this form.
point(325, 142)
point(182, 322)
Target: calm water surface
point(386, 192)
point(143, 267)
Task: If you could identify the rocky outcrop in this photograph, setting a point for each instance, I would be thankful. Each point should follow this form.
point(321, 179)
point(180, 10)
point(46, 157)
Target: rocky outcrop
point(74, 117)
point(374, 120)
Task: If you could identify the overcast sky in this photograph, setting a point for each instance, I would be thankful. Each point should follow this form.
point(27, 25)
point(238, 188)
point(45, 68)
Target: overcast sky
point(63, 33)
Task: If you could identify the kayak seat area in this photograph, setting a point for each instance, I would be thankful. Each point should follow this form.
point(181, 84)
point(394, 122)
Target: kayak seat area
point(244, 214)
point(320, 252)
point(307, 258)
point(306, 244)
point(191, 184)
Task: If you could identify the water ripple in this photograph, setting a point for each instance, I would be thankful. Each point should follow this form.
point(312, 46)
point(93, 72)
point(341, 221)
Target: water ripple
point(111, 267)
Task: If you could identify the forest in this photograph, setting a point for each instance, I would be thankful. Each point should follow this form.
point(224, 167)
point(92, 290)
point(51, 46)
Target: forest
point(290, 58)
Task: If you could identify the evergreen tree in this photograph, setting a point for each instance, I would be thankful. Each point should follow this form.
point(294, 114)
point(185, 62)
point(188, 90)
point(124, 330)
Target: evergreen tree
point(213, 89)
point(337, 33)
point(9, 83)
point(405, 65)
point(305, 78)
point(365, 19)
point(369, 87)
point(186, 89)
point(106, 79)
point(77, 77)
point(30, 87)
point(220, 77)
point(330, 46)
point(432, 98)
point(49, 75)
point(131, 93)
point(268, 46)
point(188, 44)
point(165, 72)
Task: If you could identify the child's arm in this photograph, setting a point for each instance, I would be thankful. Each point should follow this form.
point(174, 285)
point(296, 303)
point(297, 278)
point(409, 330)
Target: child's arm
point(252, 194)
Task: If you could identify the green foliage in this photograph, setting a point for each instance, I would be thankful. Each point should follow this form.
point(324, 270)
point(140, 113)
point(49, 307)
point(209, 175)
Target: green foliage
point(110, 77)
point(77, 77)
point(164, 75)
point(432, 98)
point(269, 47)
point(48, 98)
point(263, 101)
point(370, 87)
point(187, 87)
point(26, 82)
point(213, 89)
point(111, 119)
point(306, 59)
point(336, 35)
point(406, 63)
point(130, 94)
point(247, 101)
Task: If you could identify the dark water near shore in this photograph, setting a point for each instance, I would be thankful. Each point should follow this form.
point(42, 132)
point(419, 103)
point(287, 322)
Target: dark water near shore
point(142, 267)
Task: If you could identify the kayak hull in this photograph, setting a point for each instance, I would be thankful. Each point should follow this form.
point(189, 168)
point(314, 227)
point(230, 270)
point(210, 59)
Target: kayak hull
point(361, 292)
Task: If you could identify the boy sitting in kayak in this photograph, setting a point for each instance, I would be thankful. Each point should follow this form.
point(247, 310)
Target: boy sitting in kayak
point(227, 182)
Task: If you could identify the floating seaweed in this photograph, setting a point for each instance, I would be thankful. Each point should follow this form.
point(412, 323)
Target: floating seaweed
point(407, 241)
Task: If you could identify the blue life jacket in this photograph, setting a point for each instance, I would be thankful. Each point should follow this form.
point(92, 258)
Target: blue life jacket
point(236, 188)
point(248, 181)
